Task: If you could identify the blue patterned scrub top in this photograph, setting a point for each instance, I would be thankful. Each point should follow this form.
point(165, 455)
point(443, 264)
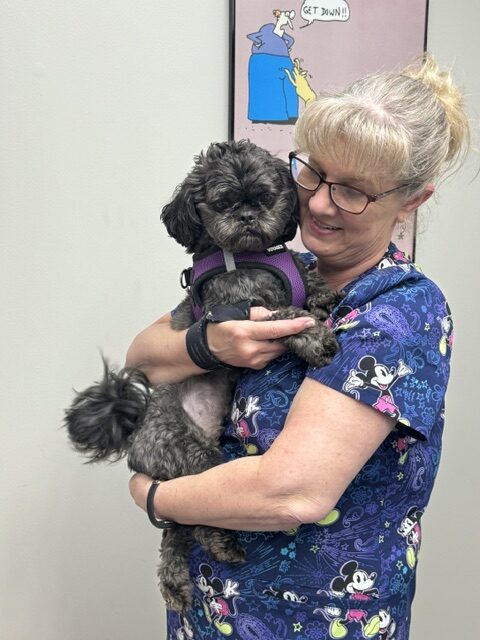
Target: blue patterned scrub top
point(351, 575)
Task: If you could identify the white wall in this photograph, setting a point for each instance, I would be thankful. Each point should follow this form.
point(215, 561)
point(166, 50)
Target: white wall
point(448, 592)
point(103, 106)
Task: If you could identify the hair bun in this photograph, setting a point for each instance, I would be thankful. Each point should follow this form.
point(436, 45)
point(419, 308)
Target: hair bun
point(427, 71)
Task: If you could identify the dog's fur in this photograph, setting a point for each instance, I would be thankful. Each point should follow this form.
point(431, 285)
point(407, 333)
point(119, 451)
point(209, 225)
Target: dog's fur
point(240, 198)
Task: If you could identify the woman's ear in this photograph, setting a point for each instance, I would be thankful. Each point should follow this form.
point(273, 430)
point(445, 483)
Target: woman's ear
point(413, 203)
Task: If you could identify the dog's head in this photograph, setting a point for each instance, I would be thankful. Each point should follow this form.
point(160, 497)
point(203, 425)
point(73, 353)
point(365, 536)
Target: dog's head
point(237, 196)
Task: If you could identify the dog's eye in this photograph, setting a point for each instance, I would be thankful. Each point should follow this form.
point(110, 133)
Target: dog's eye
point(221, 205)
point(266, 199)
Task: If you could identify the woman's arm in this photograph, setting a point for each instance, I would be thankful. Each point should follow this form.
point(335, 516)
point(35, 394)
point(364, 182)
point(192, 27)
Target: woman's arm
point(327, 439)
point(161, 353)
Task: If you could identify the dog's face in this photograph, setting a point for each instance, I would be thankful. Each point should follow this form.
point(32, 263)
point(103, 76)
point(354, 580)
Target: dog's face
point(238, 197)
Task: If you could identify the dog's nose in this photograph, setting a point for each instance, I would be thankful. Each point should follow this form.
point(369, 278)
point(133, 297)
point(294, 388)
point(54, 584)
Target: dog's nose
point(247, 217)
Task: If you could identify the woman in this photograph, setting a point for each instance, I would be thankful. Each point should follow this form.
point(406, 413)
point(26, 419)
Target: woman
point(329, 510)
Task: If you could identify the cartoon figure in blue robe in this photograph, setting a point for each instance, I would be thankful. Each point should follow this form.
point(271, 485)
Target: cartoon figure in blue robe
point(272, 96)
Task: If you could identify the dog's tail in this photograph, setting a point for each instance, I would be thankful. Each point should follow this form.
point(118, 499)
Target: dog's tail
point(101, 419)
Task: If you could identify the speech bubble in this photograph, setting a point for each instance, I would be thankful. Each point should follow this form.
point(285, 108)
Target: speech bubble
point(325, 11)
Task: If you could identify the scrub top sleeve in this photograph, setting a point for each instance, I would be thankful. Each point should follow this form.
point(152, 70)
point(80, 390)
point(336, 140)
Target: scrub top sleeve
point(394, 355)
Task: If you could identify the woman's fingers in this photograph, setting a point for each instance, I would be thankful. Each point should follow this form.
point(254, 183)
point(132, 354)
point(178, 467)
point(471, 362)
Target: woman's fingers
point(252, 343)
point(263, 314)
point(275, 329)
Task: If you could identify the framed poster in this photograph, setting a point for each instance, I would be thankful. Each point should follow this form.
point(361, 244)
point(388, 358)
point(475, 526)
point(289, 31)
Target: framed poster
point(283, 53)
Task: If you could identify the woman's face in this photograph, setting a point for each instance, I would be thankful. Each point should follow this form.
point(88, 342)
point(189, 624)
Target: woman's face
point(343, 241)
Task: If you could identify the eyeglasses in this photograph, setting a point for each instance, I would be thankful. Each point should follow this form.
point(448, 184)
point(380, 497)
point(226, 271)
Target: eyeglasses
point(347, 198)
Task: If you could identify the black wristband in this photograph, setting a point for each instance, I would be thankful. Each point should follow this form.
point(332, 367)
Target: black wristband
point(197, 344)
point(160, 523)
point(197, 347)
point(223, 312)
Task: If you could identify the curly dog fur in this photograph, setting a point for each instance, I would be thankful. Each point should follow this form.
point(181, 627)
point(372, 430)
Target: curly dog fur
point(240, 198)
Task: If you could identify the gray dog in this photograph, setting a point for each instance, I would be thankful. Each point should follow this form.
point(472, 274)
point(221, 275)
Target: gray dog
point(240, 203)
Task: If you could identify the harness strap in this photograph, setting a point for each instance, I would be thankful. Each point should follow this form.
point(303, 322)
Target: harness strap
point(229, 260)
point(277, 259)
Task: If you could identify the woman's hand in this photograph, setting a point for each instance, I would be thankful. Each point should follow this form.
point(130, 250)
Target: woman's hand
point(161, 353)
point(252, 343)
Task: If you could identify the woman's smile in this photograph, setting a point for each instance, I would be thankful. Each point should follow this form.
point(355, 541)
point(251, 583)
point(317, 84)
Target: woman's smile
point(321, 228)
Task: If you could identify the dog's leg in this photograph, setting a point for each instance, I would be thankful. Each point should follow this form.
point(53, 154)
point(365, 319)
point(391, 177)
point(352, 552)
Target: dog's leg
point(220, 544)
point(173, 573)
point(316, 345)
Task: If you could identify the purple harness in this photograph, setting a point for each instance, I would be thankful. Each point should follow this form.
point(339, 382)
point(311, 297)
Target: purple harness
point(278, 260)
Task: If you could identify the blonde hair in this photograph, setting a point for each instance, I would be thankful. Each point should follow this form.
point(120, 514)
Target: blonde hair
point(410, 126)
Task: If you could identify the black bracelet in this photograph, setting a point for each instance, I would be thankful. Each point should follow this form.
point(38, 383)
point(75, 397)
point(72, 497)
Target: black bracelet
point(197, 347)
point(160, 523)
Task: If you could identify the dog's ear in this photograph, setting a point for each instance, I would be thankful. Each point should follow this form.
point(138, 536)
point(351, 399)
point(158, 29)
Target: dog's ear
point(290, 193)
point(292, 225)
point(181, 218)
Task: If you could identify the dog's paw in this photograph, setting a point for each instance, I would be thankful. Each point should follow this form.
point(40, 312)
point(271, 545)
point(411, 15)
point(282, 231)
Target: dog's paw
point(173, 573)
point(178, 597)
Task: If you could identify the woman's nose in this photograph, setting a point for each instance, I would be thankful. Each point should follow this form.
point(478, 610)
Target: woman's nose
point(321, 202)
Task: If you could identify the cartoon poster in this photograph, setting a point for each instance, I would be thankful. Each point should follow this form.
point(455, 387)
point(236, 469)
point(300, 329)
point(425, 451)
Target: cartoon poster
point(283, 53)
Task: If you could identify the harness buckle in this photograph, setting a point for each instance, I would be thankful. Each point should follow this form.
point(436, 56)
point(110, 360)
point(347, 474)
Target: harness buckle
point(186, 278)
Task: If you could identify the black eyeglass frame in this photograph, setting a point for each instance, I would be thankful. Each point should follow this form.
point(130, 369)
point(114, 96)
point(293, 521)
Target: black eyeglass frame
point(370, 197)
